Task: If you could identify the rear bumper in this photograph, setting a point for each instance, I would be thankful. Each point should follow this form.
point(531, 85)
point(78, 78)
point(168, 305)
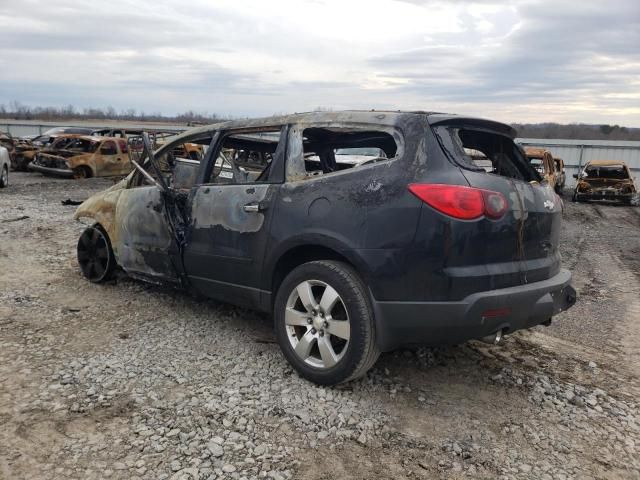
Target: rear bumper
point(604, 195)
point(478, 315)
point(56, 172)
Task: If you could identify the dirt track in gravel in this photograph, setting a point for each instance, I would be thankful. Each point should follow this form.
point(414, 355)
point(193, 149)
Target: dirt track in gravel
point(128, 380)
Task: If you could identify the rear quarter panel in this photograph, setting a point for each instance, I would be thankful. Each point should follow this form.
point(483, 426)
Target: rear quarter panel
point(365, 213)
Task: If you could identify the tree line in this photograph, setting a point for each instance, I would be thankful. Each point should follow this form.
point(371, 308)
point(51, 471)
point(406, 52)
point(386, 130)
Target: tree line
point(578, 131)
point(17, 111)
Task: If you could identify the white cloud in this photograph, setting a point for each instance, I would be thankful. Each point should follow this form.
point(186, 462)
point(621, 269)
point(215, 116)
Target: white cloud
point(530, 60)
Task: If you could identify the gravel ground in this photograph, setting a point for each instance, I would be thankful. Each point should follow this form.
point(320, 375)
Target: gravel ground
point(129, 380)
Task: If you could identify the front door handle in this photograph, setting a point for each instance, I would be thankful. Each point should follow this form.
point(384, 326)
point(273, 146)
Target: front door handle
point(253, 207)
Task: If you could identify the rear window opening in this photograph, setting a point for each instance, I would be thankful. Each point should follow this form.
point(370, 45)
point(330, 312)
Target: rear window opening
point(328, 150)
point(538, 164)
point(558, 165)
point(486, 151)
point(613, 172)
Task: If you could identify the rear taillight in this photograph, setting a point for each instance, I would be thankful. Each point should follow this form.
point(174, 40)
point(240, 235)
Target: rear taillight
point(465, 203)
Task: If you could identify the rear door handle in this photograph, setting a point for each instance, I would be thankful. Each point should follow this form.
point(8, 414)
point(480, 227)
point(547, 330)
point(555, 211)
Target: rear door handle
point(253, 207)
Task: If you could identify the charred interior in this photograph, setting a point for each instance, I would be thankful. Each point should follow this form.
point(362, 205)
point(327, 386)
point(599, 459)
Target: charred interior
point(327, 150)
point(505, 157)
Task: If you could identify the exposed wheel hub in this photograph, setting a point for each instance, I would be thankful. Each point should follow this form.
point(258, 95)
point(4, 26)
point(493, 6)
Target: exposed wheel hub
point(318, 322)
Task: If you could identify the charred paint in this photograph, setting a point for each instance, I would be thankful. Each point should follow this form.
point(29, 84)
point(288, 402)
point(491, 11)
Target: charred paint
point(230, 214)
point(101, 207)
point(548, 168)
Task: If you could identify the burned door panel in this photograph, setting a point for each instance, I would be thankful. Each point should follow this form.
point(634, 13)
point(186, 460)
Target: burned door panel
point(231, 214)
point(143, 240)
point(111, 159)
point(227, 239)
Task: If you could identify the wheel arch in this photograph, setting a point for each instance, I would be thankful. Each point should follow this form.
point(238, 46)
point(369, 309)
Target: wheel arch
point(298, 253)
point(102, 209)
point(88, 168)
point(83, 161)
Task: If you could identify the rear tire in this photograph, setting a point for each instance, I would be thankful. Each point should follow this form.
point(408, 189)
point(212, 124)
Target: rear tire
point(4, 177)
point(95, 255)
point(324, 322)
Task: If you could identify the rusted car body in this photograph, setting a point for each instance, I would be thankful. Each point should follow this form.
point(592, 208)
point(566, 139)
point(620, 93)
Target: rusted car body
point(20, 151)
point(561, 176)
point(543, 162)
point(25, 152)
point(26, 148)
point(605, 180)
point(79, 156)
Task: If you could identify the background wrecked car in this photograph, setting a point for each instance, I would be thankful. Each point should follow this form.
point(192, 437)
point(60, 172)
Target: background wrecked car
point(84, 157)
point(605, 180)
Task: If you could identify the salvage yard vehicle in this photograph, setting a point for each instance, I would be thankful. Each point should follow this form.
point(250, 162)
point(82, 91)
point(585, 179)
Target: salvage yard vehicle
point(26, 148)
point(543, 162)
point(24, 153)
point(561, 176)
point(416, 246)
point(20, 151)
point(5, 161)
point(83, 157)
point(50, 135)
point(605, 180)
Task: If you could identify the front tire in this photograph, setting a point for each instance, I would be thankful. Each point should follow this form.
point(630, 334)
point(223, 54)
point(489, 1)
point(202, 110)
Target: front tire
point(324, 322)
point(95, 255)
point(82, 172)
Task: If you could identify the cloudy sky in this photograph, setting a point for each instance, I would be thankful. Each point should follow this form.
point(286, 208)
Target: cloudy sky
point(530, 60)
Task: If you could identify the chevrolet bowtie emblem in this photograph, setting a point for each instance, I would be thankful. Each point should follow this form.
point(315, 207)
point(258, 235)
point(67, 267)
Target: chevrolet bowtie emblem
point(548, 204)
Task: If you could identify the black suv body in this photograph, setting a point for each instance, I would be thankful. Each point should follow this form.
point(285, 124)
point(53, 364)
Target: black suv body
point(416, 245)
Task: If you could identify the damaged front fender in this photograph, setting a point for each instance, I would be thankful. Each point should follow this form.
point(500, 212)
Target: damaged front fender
point(101, 207)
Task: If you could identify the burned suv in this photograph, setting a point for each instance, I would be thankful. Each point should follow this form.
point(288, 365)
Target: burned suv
point(415, 244)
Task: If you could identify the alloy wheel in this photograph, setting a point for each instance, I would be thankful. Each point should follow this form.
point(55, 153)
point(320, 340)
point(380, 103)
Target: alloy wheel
point(317, 324)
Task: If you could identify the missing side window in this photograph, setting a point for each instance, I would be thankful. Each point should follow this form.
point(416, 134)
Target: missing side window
point(245, 158)
point(329, 150)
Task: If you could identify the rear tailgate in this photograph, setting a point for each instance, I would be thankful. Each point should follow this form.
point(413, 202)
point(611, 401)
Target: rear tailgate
point(525, 241)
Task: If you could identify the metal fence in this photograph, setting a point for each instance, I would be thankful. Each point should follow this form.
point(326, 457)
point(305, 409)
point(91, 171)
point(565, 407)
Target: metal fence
point(576, 153)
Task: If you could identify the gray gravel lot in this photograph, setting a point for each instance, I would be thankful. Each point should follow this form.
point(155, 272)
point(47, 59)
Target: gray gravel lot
point(129, 380)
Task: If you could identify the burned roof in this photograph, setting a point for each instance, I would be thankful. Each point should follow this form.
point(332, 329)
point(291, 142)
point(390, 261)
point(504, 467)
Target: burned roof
point(604, 163)
point(533, 152)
